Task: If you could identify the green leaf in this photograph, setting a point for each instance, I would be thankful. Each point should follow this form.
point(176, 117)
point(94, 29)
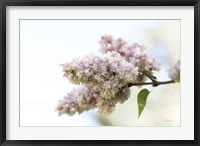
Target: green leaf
point(141, 99)
point(177, 80)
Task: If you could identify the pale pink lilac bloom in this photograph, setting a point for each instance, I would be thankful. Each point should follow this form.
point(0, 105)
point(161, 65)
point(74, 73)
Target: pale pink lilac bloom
point(108, 72)
point(174, 71)
point(134, 54)
point(84, 98)
point(78, 100)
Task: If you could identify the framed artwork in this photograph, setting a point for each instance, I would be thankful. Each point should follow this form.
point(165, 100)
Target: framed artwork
point(99, 72)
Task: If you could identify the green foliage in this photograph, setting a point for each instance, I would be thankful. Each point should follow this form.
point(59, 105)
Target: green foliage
point(141, 99)
point(104, 121)
point(177, 80)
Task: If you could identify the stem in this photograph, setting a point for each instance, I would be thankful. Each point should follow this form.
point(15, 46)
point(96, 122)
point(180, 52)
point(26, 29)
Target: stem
point(154, 84)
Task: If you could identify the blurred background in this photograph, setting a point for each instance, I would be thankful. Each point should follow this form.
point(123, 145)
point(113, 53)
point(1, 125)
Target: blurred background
point(45, 44)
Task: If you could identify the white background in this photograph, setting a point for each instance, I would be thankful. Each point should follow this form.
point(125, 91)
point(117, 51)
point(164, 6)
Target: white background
point(33, 56)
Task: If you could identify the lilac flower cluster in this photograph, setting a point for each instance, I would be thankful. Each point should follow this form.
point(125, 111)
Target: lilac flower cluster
point(108, 73)
point(84, 98)
point(174, 72)
point(134, 54)
point(78, 100)
point(103, 80)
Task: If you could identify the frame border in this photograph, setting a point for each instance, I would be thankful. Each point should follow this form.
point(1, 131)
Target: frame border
point(4, 3)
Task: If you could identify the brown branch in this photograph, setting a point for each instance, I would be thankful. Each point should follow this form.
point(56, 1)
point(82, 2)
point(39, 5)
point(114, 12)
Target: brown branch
point(154, 84)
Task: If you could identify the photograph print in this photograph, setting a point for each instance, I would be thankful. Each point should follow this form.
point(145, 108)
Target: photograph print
point(100, 72)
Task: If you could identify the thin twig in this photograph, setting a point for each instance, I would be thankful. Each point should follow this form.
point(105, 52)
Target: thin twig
point(157, 83)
